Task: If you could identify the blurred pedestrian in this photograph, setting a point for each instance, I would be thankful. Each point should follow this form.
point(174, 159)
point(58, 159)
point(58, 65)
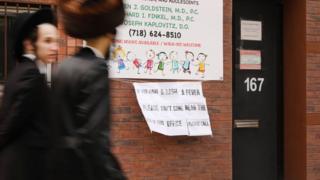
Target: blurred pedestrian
point(24, 121)
point(81, 87)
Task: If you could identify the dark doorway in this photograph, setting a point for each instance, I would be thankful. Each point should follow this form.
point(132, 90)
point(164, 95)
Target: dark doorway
point(257, 90)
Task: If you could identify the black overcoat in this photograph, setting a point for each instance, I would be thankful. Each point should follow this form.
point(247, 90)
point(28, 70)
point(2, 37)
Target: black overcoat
point(81, 89)
point(24, 124)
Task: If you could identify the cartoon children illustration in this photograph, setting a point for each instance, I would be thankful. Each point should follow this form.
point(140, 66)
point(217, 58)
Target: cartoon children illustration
point(119, 54)
point(148, 65)
point(201, 59)
point(162, 57)
point(131, 57)
point(173, 56)
point(186, 63)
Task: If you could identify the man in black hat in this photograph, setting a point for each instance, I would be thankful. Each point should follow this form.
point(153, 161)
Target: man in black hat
point(82, 89)
point(24, 118)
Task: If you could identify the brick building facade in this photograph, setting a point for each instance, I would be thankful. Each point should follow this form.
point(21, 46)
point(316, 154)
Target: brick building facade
point(313, 88)
point(153, 156)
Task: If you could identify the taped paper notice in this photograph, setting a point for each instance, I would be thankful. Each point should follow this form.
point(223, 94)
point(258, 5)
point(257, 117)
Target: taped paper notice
point(251, 30)
point(250, 59)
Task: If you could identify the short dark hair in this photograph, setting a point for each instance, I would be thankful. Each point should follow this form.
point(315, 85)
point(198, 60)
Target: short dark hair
point(32, 36)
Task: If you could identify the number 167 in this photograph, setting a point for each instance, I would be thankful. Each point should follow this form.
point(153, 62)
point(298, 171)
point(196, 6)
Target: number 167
point(254, 84)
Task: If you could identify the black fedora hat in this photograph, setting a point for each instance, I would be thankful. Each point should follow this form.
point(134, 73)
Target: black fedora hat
point(86, 19)
point(26, 23)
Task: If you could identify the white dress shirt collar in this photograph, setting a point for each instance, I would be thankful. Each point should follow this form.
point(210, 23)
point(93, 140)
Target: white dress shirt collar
point(96, 51)
point(42, 67)
point(30, 56)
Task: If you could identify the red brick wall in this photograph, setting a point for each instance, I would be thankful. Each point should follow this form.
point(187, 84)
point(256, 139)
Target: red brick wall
point(153, 156)
point(67, 45)
point(313, 89)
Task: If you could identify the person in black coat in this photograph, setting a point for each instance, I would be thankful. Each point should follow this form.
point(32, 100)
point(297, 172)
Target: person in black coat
point(25, 110)
point(81, 88)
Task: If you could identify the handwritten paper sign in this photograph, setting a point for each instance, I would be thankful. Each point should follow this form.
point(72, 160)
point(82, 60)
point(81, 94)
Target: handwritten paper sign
point(174, 108)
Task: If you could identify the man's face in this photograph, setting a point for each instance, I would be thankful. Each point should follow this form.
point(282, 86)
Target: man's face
point(46, 45)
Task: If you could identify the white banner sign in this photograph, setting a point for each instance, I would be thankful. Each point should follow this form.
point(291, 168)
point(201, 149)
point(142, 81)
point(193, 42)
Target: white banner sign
point(170, 39)
point(174, 108)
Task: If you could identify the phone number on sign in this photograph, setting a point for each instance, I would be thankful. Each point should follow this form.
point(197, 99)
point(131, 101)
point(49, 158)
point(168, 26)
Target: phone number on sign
point(156, 34)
